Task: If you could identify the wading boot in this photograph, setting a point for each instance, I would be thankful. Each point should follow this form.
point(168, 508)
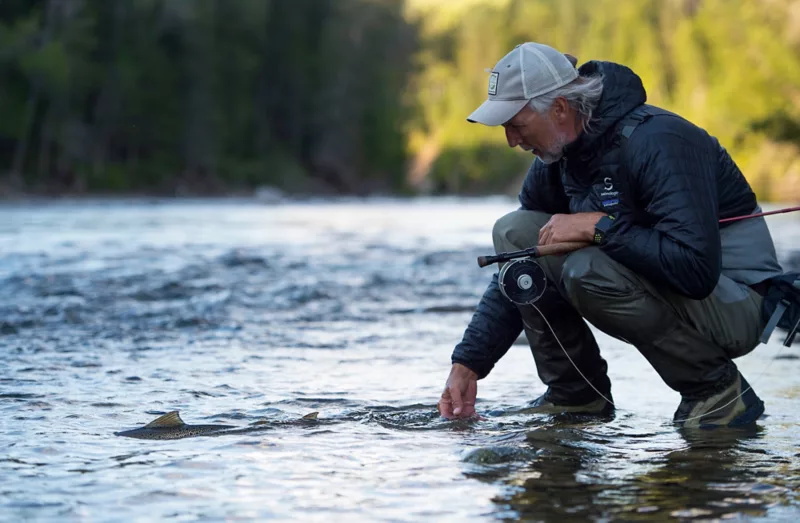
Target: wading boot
point(597, 407)
point(736, 406)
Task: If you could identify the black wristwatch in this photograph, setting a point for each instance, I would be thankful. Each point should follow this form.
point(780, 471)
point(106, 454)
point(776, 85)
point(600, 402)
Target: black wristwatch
point(601, 228)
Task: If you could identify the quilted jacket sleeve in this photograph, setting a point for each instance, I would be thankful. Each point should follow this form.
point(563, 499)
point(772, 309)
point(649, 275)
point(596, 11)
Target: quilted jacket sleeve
point(671, 170)
point(497, 323)
point(494, 327)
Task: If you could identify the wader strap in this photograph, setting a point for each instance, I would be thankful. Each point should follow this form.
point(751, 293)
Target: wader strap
point(632, 120)
point(774, 319)
point(792, 333)
point(790, 338)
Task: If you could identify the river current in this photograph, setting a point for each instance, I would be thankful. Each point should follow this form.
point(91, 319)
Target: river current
point(235, 312)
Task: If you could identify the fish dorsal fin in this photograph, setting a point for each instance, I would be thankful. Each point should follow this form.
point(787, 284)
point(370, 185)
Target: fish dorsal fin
point(311, 415)
point(168, 420)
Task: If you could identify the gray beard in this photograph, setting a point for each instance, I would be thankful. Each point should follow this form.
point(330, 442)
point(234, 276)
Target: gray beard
point(550, 158)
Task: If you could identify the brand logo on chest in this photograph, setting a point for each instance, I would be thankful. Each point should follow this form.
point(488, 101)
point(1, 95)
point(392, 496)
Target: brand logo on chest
point(609, 197)
point(608, 188)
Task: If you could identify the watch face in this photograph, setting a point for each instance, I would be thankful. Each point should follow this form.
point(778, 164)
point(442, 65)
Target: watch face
point(604, 223)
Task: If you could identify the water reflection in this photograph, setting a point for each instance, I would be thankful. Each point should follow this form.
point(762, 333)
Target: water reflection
point(571, 475)
point(561, 483)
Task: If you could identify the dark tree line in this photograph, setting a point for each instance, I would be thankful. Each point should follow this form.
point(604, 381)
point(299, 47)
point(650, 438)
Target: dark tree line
point(204, 96)
point(358, 96)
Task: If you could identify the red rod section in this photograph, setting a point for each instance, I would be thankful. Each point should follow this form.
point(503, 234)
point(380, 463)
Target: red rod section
point(779, 211)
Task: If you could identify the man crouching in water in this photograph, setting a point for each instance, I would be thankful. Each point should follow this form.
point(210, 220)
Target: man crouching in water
point(645, 189)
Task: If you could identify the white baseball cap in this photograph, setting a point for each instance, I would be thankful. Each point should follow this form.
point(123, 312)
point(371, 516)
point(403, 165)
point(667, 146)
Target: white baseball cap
point(528, 71)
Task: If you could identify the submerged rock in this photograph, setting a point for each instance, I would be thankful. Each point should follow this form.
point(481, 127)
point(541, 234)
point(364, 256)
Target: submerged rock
point(498, 455)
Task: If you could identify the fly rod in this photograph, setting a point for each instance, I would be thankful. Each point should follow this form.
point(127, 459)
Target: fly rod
point(532, 252)
point(746, 216)
point(567, 247)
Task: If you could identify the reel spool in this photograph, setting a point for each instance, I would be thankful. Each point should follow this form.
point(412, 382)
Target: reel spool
point(522, 281)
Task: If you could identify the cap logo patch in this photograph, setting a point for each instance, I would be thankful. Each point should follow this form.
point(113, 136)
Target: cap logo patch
point(493, 83)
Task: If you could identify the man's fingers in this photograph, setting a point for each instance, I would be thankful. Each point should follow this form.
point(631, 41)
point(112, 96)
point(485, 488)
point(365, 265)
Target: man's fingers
point(468, 410)
point(545, 233)
point(455, 394)
point(470, 396)
point(445, 406)
point(472, 391)
point(458, 397)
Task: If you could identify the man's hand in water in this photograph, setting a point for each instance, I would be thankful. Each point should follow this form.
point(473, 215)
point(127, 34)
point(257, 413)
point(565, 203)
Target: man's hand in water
point(460, 391)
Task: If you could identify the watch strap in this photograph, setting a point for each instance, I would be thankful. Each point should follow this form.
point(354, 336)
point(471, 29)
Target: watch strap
point(601, 228)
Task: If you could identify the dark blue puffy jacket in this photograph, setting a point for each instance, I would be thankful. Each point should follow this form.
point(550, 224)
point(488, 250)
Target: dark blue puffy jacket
point(669, 184)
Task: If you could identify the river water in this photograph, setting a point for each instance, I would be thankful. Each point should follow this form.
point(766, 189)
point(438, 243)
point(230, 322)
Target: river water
point(253, 315)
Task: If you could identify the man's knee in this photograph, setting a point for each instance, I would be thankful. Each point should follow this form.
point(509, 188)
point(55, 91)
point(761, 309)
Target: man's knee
point(608, 295)
point(518, 230)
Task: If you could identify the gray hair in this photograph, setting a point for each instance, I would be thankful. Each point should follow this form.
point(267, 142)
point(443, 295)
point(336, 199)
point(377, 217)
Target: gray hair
point(582, 94)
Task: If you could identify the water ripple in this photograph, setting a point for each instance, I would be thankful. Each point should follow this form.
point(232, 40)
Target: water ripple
point(253, 316)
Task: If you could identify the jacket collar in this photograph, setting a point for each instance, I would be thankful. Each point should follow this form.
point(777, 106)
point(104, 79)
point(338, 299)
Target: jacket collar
point(622, 92)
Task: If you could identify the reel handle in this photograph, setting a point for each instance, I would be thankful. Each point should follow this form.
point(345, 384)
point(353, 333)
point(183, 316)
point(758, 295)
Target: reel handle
point(553, 249)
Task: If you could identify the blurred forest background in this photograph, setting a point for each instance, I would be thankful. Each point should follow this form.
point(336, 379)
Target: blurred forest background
point(193, 97)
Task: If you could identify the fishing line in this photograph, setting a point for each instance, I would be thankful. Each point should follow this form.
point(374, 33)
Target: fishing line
point(566, 353)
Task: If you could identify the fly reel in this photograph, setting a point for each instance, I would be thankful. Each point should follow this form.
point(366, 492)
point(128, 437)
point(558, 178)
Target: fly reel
point(522, 281)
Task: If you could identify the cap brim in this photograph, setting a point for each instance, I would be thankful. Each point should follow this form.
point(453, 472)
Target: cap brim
point(496, 112)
